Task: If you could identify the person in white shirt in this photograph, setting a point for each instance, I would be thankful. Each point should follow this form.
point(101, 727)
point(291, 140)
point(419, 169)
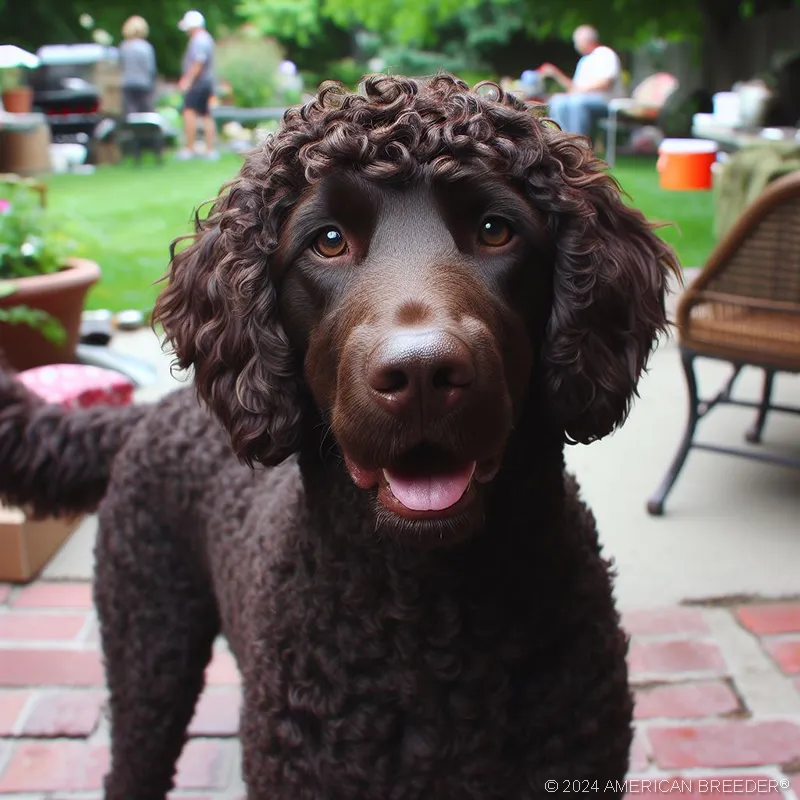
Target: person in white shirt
point(597, 79)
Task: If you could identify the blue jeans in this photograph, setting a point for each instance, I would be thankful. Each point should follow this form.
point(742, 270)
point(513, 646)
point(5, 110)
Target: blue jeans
point(577, 113)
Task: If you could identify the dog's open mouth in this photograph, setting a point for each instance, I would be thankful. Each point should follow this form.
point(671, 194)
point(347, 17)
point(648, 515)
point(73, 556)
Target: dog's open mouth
point(425, 483)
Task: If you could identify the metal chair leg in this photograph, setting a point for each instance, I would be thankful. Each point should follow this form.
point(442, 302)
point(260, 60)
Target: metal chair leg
point(753, 435)
point(655, 505)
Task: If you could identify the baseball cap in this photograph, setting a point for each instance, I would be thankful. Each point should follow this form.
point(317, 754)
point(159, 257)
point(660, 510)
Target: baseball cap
point(192, 19)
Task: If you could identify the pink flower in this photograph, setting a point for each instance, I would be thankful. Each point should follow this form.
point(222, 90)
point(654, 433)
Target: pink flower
point(5, 205)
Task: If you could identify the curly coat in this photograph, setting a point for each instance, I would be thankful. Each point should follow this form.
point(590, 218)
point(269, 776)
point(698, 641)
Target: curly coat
point(371, 669)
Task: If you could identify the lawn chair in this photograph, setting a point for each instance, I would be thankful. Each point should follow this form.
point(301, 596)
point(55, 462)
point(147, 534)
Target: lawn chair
point(641, 108)
point(744, 308)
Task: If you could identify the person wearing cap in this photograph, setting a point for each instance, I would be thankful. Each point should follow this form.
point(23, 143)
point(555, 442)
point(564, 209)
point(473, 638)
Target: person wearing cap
point(197, 84)
point(597, 79)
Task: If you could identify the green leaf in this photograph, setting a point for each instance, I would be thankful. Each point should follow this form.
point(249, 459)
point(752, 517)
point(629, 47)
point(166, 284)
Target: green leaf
point(37, 319)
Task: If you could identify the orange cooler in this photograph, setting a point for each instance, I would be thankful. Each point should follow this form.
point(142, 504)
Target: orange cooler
point(685, 164)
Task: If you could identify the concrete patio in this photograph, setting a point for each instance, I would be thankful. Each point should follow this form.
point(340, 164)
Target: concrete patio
point(710, 594)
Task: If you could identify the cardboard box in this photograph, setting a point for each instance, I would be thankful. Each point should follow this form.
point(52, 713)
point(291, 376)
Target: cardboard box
point(26, 545)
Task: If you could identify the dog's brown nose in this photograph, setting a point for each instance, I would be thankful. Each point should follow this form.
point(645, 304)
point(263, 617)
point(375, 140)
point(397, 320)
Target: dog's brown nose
point(429, 369)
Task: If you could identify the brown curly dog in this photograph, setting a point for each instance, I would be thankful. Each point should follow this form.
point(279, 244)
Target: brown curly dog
point(397, 314)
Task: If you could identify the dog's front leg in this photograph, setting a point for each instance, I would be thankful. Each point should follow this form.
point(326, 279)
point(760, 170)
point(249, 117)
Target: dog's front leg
point(158, 622)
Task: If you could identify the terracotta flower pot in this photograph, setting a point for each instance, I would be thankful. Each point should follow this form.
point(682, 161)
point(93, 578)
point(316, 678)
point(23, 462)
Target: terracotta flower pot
point(62, 295)
point(18, 100)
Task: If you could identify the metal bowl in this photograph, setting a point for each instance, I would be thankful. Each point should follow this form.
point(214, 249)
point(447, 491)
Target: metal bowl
point(130, 320)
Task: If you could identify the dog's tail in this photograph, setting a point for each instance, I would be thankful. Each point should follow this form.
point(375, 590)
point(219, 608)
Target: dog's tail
point(55, 461)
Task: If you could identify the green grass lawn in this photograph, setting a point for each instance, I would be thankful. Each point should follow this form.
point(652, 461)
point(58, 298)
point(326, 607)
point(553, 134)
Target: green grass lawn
point(691, 214)
point(125, 217)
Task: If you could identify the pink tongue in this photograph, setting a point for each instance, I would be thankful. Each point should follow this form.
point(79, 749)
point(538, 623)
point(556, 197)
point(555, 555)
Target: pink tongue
point(431, 492)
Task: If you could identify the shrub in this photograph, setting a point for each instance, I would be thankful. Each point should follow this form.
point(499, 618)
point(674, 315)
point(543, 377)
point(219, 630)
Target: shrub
point(249, 63)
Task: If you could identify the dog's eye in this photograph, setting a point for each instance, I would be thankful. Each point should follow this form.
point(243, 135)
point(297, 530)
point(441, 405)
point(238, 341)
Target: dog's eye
point(495, 232)
point(330, 243)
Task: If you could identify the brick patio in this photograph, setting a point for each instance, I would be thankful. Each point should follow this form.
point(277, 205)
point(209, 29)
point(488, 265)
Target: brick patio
point(718, 699)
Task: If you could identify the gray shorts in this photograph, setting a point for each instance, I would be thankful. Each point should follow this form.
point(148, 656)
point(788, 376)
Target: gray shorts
point(197, 98)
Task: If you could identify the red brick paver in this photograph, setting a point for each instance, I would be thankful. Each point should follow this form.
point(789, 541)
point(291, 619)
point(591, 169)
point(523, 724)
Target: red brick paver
point(674, 655)
point(44, 667)
point(640, 758)
point(217, 713)
point(770, 618)
point(692, 715)
point(54, 766)
point(686, 700)
point(26, 627)
point(222, 671)
point(730, 744)
point(12, 703)
point(786, 652)
point(68, 714)
point(54, 595)
point(660, 621)
point(205, 764)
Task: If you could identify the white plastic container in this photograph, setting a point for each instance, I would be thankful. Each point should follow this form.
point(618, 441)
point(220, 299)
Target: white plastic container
point(727, 108)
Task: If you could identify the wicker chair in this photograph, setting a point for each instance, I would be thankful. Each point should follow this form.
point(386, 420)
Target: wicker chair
point(744, 308)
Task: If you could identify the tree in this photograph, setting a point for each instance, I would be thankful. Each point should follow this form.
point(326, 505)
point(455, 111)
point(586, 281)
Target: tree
point(625, 22)
point(296, 20)
point(419, 20)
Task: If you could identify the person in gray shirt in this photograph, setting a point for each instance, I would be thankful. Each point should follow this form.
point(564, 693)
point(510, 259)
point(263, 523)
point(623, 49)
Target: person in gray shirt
point(138, 67)
point(197, 84)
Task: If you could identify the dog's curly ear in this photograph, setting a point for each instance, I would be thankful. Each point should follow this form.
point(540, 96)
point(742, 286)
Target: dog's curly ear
point(220, 314)
point(609, 287)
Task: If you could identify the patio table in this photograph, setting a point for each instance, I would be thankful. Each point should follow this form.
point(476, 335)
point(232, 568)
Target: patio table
point(731, 138)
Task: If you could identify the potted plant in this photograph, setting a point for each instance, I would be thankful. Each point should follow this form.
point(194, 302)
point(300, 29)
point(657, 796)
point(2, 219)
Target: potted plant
point(42, 288)
point(17, 95)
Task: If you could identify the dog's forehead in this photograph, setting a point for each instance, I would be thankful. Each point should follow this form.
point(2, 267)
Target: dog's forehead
point(411, 223)
point(403, 221)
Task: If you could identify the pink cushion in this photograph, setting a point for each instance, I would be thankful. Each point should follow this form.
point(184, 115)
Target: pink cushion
point(78, 386)
point(655, 90)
